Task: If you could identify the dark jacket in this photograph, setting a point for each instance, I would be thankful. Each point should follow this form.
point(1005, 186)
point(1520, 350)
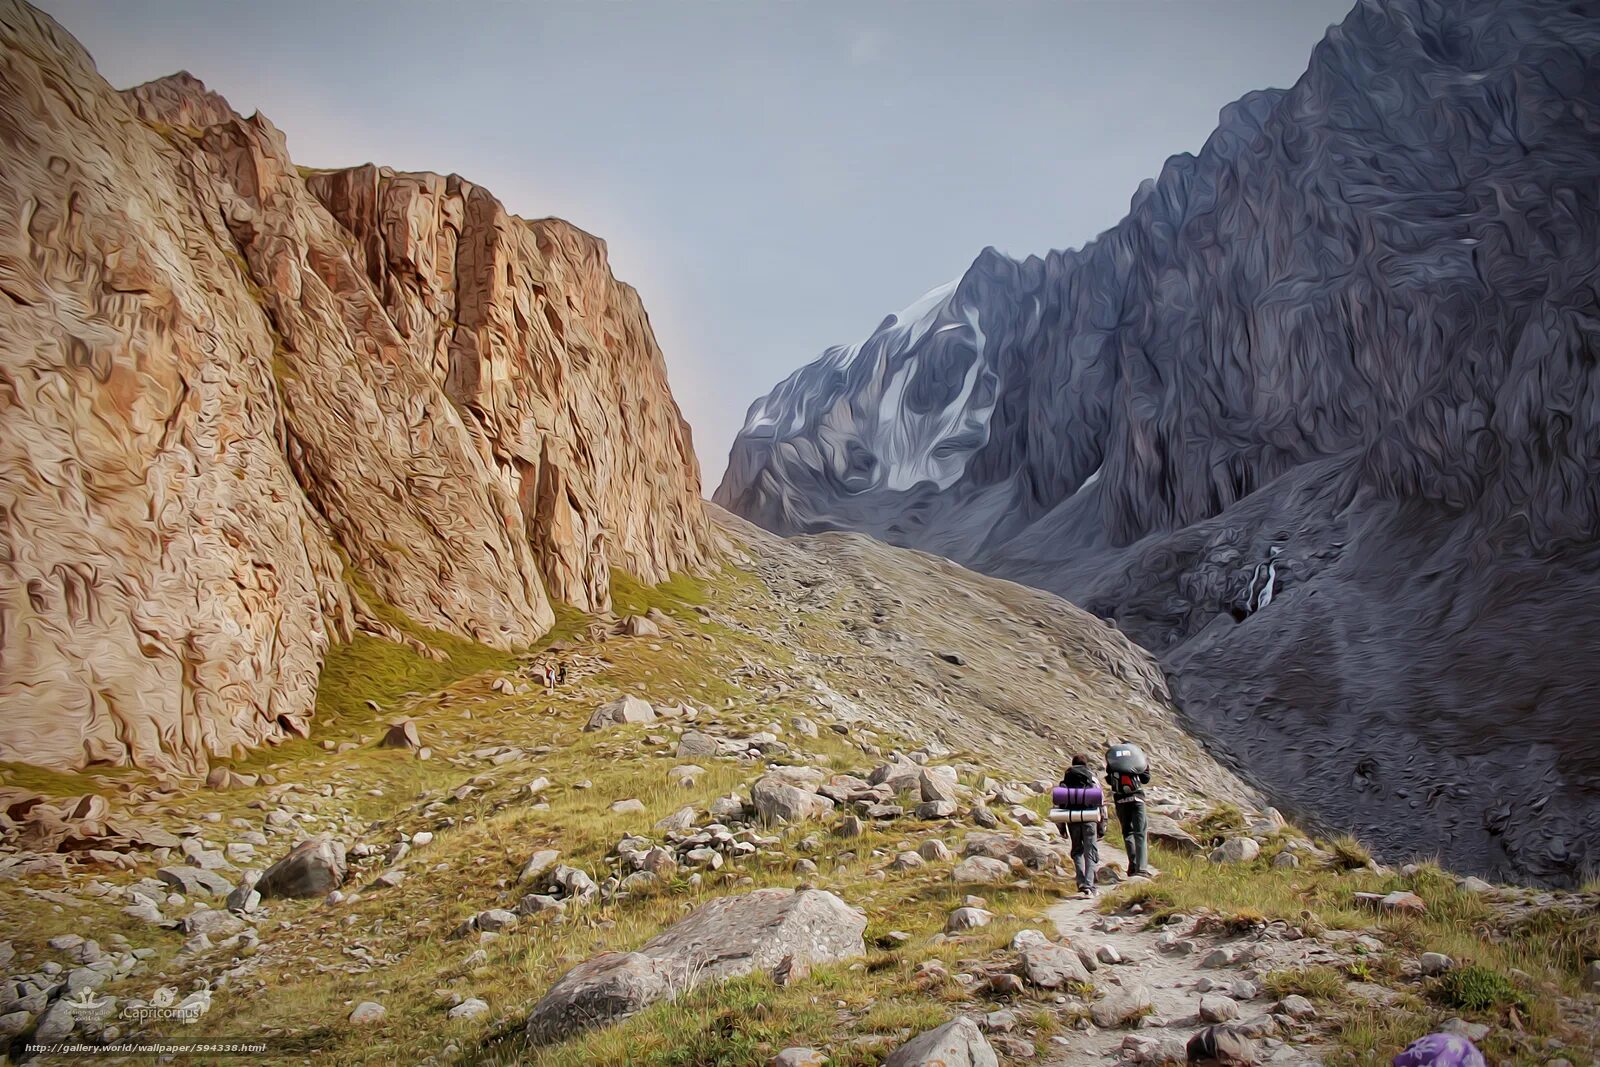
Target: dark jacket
point(1081, 777)
point(1078, 777)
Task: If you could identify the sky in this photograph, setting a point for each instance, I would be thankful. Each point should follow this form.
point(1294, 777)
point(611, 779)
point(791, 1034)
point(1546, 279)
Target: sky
point(774, 178)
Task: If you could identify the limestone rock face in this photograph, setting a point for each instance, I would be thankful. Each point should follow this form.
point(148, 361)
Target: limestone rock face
point(220, 398)
point(1316, 423)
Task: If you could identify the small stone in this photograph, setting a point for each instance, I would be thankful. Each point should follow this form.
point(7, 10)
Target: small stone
point(967, 919)
point(1285, 860)
point(799, 1057)
point(907, 861)
point(685, 775)
point(933, 850)
point(630, 806)
point(368, 1012)
point(538, 864)
point(470, 1008)
point(1120, 1007)
point(680, 820)
point(1436, 963)
point(1402, 901)
point(1107, 954)
point(1216, 1008)
point(958, 1043)
point(1297, 1007)
point(1218, 957)
point(981, 870)
point(1000, 1022)
point(1236, 850)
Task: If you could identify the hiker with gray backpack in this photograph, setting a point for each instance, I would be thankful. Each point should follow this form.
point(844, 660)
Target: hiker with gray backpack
point(1127, 773)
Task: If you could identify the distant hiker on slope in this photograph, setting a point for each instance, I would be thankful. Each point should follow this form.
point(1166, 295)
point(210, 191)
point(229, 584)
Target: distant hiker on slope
point(1128, 772)
point(1079, 809)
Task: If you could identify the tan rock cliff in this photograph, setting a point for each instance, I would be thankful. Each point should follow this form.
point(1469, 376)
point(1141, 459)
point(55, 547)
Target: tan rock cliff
point(221, 383)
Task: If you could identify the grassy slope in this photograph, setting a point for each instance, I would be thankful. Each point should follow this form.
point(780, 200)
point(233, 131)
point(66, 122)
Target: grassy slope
point(298, 989)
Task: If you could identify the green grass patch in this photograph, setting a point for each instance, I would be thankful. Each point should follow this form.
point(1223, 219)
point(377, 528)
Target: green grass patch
point(1476, 988)
point(1314, 983)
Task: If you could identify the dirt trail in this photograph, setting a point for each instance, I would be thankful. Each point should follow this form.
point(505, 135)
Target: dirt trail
point(1170, 979)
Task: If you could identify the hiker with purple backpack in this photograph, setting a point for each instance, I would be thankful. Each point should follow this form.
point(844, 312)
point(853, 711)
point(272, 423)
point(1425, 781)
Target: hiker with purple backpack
point(1079, 809)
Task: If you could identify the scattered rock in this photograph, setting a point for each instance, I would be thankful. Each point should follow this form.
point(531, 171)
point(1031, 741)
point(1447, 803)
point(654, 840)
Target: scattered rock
point(1297, 1007)
point(1285, 859)
point(1236, 850)
point(195, 881)
point(696, 743)
point(1165, 829)
point(1046, 964)
point(958, 1043)
point(685, 775)
point(628, 709)
point(313, 868)
point(777, 802)
point(799, 1057)
point(981, 870)
point(470, 1008)
point(1216, 1008)
point(725, 938)
point(368, 1012)
point(1222, 1046)
point(1121, 1007)
point(680, 820)
point(967, 919)
point(402, 734)
point(630, 806)
point(1436, 963)
point(933, 850)
point(538, 865)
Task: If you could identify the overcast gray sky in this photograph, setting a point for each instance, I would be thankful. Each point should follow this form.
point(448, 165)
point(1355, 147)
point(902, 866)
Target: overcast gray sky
point(774, 178)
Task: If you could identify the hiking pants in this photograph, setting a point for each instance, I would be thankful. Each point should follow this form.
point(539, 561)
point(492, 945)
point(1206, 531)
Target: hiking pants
point(1085, 851)
point(1130, 813)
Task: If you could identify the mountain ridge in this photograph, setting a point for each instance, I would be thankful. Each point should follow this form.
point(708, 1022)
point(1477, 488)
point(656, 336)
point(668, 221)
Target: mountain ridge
point(1351, 341)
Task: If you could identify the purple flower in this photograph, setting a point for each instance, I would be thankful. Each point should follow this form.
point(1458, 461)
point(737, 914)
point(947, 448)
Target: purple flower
point(1440, 1050)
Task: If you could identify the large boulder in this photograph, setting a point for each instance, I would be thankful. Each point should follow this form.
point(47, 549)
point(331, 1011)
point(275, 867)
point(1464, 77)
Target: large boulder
point(776, 801)
point(1046, 964)
point(312, 868)
point(726, 938)
point(629, 709)
point(1166, 830)
point(958, 1043)
point(981, 870)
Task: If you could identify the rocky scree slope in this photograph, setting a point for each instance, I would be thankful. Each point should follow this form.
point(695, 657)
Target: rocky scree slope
point(1318, 423)
point(241, 398)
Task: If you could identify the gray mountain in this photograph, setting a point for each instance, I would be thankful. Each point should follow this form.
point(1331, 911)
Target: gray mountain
point(1318, 423)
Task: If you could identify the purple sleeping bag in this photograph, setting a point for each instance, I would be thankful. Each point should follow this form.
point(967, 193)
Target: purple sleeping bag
point(1076, 797)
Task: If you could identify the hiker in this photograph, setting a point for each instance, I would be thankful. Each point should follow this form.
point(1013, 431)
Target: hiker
point(1128, 772)
point(561, 672)
point(1081, 806)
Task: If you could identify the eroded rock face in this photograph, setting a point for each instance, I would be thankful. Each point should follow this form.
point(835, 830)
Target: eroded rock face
point(1316, 423)
point(215, 388)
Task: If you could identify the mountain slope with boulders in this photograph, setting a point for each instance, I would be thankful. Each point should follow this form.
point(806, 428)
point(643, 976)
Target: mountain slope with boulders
point(1318, 424)
point(253, 411)
point(738, 832)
